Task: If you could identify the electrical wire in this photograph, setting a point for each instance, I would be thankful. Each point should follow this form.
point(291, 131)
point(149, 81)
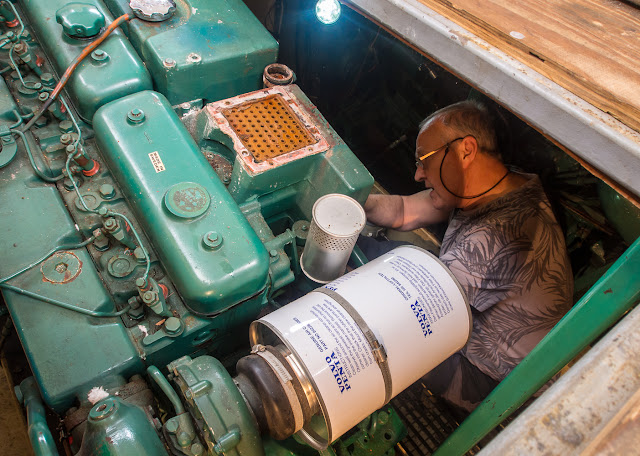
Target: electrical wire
point(40, 174)
point(71, 68)
point(64, 305)
point(111, 213)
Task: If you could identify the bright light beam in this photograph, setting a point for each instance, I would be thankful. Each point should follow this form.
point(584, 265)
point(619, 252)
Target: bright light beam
point(328, 11)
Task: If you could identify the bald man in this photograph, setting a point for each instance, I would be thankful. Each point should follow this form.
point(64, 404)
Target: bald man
point(502, 243)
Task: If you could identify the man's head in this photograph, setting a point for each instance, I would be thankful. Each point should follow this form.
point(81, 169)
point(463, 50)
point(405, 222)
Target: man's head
point(455, 145)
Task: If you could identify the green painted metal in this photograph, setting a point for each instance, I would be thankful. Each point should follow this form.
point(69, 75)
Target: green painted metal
point(116, 428)
point(209, 49)
point(620, 212)
point(218, 406)
point(80, 20)
point(148, 158)
point(96, 81)
point(614, 294)
point(33, 219)
point(42, 441)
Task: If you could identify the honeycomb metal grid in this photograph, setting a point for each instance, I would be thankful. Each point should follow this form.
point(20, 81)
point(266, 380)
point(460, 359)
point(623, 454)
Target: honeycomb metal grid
point(268, 128)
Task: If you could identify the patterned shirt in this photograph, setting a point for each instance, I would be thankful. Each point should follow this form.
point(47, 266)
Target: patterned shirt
point(510, 257)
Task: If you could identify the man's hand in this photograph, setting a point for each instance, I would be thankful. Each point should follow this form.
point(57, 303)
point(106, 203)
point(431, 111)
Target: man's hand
point(403, 213)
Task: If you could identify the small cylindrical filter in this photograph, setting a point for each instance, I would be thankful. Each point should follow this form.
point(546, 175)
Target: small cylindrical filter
point(365, 337)
point(337, 222)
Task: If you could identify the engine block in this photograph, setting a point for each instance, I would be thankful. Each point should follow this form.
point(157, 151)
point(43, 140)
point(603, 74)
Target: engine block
point(155, 209)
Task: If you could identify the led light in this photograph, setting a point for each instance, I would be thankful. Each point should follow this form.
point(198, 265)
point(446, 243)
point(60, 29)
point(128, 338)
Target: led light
point(327, 11)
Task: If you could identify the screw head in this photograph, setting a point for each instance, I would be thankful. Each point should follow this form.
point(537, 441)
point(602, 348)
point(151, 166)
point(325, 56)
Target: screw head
point(107, 191)
point(140, 282)
point(148, 297)
point(99, 55)
point(169, 63)
point(172, 325)
point(273, 253)
point(110, 224)
point(136, 115)
point(212, 240)
point(44, 96)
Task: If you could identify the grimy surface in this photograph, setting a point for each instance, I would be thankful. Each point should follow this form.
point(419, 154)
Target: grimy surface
point(589, 47)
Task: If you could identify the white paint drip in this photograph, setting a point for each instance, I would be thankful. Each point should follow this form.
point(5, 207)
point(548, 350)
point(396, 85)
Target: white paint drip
point(143, 329)
point(96, 394)
point(194, 10)
point(517, 35)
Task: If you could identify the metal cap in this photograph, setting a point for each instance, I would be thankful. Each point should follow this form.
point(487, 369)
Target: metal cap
point(80, 20)
point(153, 10)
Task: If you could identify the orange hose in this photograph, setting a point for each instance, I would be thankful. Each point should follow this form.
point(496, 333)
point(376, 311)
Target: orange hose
point(69, 71)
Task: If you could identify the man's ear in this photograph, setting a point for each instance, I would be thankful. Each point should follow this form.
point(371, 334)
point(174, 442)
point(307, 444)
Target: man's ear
point(468, 151)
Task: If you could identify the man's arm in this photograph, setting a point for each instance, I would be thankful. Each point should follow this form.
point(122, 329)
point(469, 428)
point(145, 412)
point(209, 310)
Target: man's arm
point(403, 213)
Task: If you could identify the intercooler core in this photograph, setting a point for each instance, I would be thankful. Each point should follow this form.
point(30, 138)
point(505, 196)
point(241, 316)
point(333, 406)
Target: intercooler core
point(268, 128)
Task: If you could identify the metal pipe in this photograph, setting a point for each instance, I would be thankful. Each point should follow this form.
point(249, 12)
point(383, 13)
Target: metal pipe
point(166, 388)
point(64, 305)
point(615, 293)
point(41, 439)
point(358, 257)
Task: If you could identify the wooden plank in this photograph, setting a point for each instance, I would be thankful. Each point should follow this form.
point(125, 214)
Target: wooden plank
point(591, 48)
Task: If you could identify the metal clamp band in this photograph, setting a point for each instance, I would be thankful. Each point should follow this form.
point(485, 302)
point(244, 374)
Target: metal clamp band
point(377, 349)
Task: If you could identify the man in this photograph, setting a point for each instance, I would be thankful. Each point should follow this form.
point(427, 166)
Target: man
point(502, 243)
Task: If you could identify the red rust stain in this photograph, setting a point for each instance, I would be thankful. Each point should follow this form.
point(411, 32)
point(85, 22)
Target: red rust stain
point(608, 291)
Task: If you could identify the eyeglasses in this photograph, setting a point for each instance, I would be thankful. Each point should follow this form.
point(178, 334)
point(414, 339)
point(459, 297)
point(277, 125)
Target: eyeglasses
point(419, 161)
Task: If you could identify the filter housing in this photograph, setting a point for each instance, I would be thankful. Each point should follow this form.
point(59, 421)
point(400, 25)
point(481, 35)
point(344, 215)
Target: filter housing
point(365, 337)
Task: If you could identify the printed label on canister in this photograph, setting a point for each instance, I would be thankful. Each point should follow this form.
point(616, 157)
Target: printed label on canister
point(337, 357)
point(416, 311)
point(415, 307)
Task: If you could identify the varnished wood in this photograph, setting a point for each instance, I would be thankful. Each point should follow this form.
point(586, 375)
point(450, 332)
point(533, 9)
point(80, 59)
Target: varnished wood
point(591, 48)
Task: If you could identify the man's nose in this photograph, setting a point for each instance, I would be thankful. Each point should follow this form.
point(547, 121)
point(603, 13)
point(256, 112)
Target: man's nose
point(419, 176)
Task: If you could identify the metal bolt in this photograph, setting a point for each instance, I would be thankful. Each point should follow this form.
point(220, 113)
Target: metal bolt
point(139, 254)
point(136, 115)
point(305, 227)
point(47, 79)
point(61, 268)
point(171, 426)
point(70, 149)
point(103, 211)
point(212, 240)
point(169, 63)
point(66, 139)
point(197, 449)
point(66, 126)
point(110, 224)
point(183, 439)
point(148, 297)
point(44, 96)
point(107, 191)
point(172, 325)
point(273, 253)
point(99, 55)
point(140, 282)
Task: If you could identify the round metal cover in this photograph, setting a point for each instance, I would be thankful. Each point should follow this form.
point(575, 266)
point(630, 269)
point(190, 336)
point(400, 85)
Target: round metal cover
point(62, 267)
point(153, 10)
point(187, 200)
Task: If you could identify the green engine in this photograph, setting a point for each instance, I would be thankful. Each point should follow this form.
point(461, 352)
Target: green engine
point(150, 212)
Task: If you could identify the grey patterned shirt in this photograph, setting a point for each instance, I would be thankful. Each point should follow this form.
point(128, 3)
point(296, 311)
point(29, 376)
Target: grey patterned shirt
point(510, 257)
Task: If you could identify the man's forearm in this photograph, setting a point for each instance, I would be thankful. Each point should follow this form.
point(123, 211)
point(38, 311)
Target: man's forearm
point(385, 210)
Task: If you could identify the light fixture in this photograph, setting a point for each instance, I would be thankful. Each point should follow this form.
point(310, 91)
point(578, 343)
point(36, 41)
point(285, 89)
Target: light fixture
point(328, 11)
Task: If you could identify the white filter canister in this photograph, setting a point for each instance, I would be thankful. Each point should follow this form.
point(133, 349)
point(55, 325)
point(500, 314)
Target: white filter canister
point(368, 335)
point(337, 221)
